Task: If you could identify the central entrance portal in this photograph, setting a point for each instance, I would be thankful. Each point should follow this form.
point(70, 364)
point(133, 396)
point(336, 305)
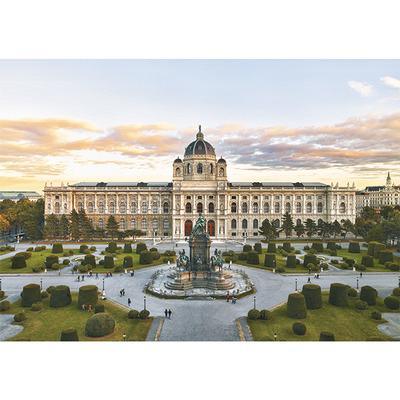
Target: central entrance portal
point(188, 227)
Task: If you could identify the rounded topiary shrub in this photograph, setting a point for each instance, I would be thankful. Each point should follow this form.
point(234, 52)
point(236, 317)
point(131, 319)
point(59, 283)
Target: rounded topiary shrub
point(57, 248)
point(361, 305)
point(18, 261)
point(326, 337)
point(369, 295)
point(98, 308)
point(258, 248)
point(50, 260)
point(65, 261)
point(354, 247)
point(246, 248)
point(108, 262)
point(396, 292)
point(310, 259)
point(83, 248)
point(127, 248)
point(144, 314)
point(145, 257)
point(128, 262)
point(30, 294)
point(140, 247)
point(299, 329)
point(296, 306)
point(376, 315)
point(291, 261)
point(36, 307)
point(242, 256)
point(89, 259)
point(385, 256)
point(253, 314)
point(50, 289)
point(252, 258)
point(351, 292)
point(367, 261)
point(318, 247)
point(270, 260)
point(133, 314)
point(88, 294)
point(392, 302)
point(112, 247)
point(5, 305)
point(312, 295)
point(2, 294)
point(60, 296)
point(155, 254)
point(265, 315)
point(19, 317)
point(331, 246)
point(338, 294)
point(69, 335)
point(287, 246)
point(99, 325)
point(271, 248)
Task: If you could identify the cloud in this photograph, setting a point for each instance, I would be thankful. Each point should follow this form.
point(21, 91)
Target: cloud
point(362, 88)
point(391, 82)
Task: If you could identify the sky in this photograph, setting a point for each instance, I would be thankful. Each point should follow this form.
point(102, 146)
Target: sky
point(127, 120)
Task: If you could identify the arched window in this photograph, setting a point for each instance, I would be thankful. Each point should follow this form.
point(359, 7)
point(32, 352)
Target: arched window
point(277, 208)
point(100, 223)
point(244, 208)
point(155, 207)
point(165, 223)
point(298, 222)
point(144, 224)
point(133, 207)
point(166, 208)
point(57, 207)
point(211, 207)
point(298, 208)
point(188, 208)
point(122, 207)
point(255, 208)
point(342, 208)
point(133, 223)
point(266, 208)
point(100, 207)
point(199, 168)
point(211, 169)
point(80, 206)
point(288, 207)
point(244, 224)
point(233, 208)
point(255, 223)
point(90, 207)
point(309, 208)
point(320, 207)
point(122, 224)
point(145, 207)
point(233, 224)
point(199, 208)
point(111, 207)
point(188, 169)
point(155, 223)
point(221, 172)
point(178, 171)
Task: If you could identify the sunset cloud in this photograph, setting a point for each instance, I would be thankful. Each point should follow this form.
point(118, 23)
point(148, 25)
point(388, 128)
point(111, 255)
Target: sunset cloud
point(391, 82)
point(362, 88)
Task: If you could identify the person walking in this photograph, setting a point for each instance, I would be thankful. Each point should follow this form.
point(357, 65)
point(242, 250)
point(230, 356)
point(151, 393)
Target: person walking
point(129, 302)
point(308, 280)
point(166, 313)
point(360, 274)
point(169, 313)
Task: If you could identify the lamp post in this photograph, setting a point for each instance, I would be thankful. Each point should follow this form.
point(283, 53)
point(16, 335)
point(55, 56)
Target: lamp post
point(275, 336)
point(103, 284)
point(295, 284)
point(41, 284)
point(357, 283)
point(0, 283)
point(254, 301)
point(144, 302)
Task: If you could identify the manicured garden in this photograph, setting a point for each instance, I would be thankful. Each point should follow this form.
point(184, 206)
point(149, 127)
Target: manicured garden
point(341, 315)
point(61, 314)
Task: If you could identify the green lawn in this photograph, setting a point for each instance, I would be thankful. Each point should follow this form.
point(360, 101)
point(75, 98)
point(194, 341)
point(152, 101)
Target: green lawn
point(347, 323)
point(47, 324)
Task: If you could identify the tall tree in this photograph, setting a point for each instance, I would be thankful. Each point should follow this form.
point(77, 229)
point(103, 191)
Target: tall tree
point(268, 230)
point(64, 227)
point(74, 225)
point(287, 224)
point(299, 229)
point(336, 228)
point(52, 227)
point(311, 227)
point(86, 229)
point(112, 227)
point(347, 226)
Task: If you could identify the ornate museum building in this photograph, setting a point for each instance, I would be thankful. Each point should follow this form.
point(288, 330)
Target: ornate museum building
point(200, 186)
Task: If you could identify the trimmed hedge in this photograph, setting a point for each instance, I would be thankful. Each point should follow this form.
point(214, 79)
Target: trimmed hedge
point(318, 247)
point(89, 259)
point(19, 317)
point(367, 261)
point(133, 314)
point(108, 262)
point(253, 314)
point(128, 262)
point(352, 292)
point(385, 256)
point(252, 258)
point(396, 292)
point(265, 315)
point(146, 257)
point(36, 307)
point(361, 305)
point(310, 259)
point(5, 305)
point(338, 294)
point(57, 248)
point(331, 246)
point(374, 248)
point(50, 260)
point(88, 294)
point(30, 294)
point(354, 247)
point(127, 248)
point(376, 315)
point(392, 302)
point(270, 260)
point(69, 335)
point(246, 248)
point(144, 314)
point(258, 248)
point(291, 261)
point(2, 294)
point(99, 325)
point(271, 248)
point(60, 296)
point(44, 294)
point(140, 247)
point(112, 247)
point(299, 329)
point(98, 308)
point(83, 248)
point(369, 295)
point(18, 261)
point(326, 337)
point(287, 246)
point(312, 295)
point(296, 306)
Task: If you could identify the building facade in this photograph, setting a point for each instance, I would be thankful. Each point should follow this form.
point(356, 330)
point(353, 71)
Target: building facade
point(200, 186)
point(379, 196)
point(16, 196)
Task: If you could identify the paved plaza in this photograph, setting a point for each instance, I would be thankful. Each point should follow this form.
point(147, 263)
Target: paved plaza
point(201, 320)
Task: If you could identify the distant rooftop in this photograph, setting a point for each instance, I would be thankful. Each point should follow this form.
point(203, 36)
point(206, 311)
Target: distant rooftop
point(279, 184)
point(122, 184)
point(16, 195)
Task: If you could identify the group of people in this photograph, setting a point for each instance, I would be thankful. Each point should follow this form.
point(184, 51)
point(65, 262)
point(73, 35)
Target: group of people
point(231, 297)
point(87, 307)
point(122, 292)
point(168, 313)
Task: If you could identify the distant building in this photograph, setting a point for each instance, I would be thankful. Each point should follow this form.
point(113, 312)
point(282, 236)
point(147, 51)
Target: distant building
point(378, 196)
point(15, 195)
point(200, 186)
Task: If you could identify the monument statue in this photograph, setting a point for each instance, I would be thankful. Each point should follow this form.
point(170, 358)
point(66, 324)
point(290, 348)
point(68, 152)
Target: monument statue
point(199, 227)
point(199, 245)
